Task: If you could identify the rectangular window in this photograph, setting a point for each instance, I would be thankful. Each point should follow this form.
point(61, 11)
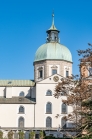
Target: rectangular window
point(67, 73)
point(71, 125)
point(40, 74)
point(54, 71)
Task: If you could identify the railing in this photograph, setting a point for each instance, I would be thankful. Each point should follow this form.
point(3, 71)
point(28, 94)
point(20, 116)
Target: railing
point(37, 128)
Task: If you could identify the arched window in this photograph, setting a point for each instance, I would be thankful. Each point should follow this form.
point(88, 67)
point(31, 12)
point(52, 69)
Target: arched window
point(48, 122)
point(63, 123)
point(49, 93)
point(21, 122)
point(21, 94)
point(21, 109)
point(64, 108)
point(48, 107)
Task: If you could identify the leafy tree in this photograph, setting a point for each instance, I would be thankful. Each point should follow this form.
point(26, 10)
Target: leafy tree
point(86, 66)
point(78, 90)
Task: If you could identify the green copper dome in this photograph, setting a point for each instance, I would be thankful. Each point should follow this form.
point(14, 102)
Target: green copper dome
point(53, 51)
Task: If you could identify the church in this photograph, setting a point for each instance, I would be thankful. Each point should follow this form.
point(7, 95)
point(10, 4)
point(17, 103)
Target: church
point(30, 104)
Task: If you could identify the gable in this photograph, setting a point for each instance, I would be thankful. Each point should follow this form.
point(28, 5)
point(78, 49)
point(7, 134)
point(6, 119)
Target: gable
point(54, 79)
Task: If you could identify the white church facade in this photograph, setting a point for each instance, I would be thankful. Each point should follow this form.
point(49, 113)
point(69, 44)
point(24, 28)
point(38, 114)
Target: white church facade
point(30, 104)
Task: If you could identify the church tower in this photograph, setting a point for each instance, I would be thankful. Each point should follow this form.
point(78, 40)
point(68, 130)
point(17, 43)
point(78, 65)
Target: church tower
point(52, 57)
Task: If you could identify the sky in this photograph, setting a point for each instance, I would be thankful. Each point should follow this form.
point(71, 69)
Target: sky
point(23, 25)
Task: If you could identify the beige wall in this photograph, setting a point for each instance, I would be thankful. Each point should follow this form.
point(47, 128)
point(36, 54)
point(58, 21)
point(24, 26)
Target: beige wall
point(47, 64)
point(9, 112)
point(41, 101)
point(9, 115)
point(15, 91)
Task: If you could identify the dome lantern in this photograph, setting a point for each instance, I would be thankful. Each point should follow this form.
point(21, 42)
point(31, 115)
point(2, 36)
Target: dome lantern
point(52, 33)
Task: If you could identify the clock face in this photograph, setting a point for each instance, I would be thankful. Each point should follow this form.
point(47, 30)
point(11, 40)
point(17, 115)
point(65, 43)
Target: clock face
point(55, 78)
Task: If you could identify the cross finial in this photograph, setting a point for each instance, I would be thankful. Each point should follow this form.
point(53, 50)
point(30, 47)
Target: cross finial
point(53, 18)
point(53, 14)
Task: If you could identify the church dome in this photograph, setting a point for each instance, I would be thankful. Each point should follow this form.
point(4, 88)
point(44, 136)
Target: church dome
point(53, 51)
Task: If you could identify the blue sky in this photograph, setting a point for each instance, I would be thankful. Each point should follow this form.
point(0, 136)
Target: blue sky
point(23, 25)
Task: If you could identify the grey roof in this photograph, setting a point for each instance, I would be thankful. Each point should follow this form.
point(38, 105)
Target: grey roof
point(17, 100)
point(17, 83)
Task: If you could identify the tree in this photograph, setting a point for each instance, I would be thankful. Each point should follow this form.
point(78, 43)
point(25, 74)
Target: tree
point(10, 134)
point(78, 91)
point(86, 65)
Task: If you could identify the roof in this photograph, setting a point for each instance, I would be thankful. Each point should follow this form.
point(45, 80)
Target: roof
point(17, 83)
point(16, 100)
point(53, 51)
point(53, 25)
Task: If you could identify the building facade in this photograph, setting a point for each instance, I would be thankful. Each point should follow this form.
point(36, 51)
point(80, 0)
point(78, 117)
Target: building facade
point(30, 105)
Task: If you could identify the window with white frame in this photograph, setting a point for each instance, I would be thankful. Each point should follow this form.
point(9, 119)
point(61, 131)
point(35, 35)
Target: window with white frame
point(64, 108)
point(21, 122)
point(21, 109)
point(49, 93)
point(49, 108)
point(40, 72)
point(67, 73)
point(48, 122)
point(54, 71)
point(21, 94)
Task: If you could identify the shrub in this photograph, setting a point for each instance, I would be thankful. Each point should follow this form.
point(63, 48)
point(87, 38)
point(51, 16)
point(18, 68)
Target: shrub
point(32, 135)
point(21, 135)
point(1, 134)
point(10, 135)
point(41, 135)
